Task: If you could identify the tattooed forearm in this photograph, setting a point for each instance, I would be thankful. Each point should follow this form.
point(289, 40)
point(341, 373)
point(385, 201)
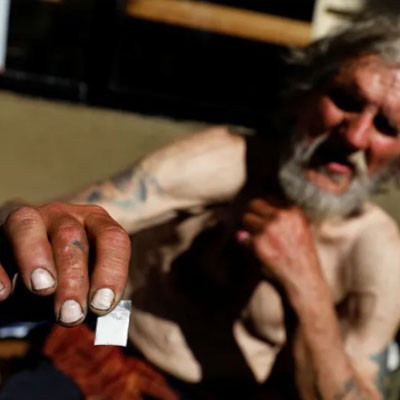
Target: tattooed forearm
point(124, 178)
point(94, 196)
point(382, 376)
point(350, 391)
point(128, 190)
point(353, 391)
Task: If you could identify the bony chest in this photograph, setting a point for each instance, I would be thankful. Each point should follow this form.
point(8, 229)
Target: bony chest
point(264, 314)
point(334, 245)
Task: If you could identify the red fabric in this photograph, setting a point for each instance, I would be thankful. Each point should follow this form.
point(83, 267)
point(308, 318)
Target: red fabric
point(103, 372)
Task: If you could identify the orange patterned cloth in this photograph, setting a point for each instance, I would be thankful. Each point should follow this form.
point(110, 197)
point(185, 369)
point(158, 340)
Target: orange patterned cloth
point(103, 372)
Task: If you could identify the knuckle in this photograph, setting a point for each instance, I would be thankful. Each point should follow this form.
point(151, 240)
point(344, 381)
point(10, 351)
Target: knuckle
point(116, 236)
point(55, 207)
point(23, 215)
point(67, 233)
point(95, 209)
point(67, 253)
point(74, 273)
point(73, 282)
point(68, 273)
point(61, 208)
point(58, 205)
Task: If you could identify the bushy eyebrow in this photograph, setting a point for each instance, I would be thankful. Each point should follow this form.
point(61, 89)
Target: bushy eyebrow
point(346, 98)
point(350, 98)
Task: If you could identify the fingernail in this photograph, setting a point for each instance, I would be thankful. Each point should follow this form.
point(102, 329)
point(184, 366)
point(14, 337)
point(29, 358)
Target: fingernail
point(41, 279)
point(70, 312)
point(243, 236)
point(103, 299)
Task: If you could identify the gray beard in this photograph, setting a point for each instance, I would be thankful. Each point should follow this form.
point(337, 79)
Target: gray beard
point(316, 203)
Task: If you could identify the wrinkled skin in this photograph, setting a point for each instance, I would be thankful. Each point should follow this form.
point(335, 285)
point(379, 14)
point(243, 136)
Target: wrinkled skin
point(57, 238)
point(282, 241)
point(360, 108)
point(359, 112)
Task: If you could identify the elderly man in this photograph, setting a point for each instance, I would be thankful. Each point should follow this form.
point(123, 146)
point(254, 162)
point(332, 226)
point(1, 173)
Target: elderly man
point(258, 264)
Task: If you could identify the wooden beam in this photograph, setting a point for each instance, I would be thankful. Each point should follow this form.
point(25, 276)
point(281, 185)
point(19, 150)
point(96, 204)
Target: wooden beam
point(223, 19)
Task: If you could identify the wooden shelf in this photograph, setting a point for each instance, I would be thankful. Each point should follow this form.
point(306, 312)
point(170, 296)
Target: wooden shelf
point(224, 20)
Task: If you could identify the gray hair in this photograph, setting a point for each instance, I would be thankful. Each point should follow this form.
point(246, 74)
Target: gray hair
point(320, 61)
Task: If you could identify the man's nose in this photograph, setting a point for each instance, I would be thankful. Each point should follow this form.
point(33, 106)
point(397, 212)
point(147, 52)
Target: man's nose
point(357, 128)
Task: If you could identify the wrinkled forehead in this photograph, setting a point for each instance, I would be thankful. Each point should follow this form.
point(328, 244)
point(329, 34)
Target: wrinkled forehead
point(371, 77)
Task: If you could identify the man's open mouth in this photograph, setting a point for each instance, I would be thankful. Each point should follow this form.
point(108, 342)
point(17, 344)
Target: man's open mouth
point(333, 165)
point(334, 158)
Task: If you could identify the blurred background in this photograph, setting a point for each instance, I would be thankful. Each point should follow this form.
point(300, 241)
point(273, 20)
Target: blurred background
point(87, 86)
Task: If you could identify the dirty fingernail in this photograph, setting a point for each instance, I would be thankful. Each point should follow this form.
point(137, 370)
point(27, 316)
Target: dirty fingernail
point(70, 312)
point(41, 279)
point(103, 299)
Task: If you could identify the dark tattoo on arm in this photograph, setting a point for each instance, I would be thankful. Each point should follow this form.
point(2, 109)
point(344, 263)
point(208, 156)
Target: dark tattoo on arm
point(139, 191)
point(353, 391)
point(350, 391)
point(123, 179)
point(94, 196)
point(382, 376)
point(128, 190)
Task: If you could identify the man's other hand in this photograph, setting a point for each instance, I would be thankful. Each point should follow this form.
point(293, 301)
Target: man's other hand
point(52, 248)
point(281, 239)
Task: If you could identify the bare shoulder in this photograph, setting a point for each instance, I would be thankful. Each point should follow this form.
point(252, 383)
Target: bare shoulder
point(209, 165)
point(370, 314)
point(373, 300)
point(376, 224)
point(376, 251)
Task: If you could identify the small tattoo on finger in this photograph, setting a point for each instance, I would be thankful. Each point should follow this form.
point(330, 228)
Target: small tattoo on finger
point(78, 244)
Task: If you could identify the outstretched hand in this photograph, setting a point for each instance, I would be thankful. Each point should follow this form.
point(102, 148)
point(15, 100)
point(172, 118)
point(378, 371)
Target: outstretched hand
point(51, 246)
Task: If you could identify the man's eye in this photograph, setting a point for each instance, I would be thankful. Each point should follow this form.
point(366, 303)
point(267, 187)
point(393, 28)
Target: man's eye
point(345, 101)
point(383, 125)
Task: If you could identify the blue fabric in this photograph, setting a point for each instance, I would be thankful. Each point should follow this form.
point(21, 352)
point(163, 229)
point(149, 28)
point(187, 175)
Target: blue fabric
point(44, 382)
